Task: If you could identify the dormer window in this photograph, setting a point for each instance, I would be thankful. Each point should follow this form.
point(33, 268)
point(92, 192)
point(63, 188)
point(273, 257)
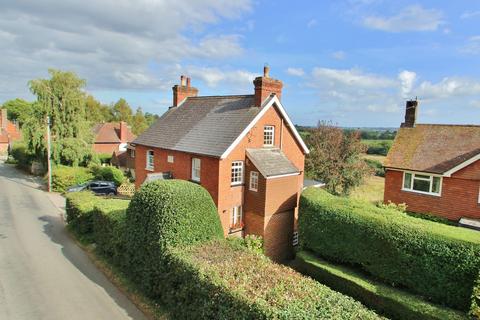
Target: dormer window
point(268, 136)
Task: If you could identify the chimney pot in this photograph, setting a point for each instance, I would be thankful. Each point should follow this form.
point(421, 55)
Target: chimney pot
point(188, 82)
point(266, 70)
point(411, 110)
point(182, 91)
point(182, 80)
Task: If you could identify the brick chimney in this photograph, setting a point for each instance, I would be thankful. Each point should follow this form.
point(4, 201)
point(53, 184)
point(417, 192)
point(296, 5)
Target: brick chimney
point(123, 132)
point(411, 111)
point(183, 91)
point(265, 86)
point(3, 119)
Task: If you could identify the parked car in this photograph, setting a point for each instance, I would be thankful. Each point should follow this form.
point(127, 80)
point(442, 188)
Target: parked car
point(97, 187)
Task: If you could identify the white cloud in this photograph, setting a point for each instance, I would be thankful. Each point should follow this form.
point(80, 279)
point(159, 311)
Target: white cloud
point(352, 77)
point(214, 76)
point(475, 103)
point(297, 72)
point(470, 14)
point(407, 80)
point(339, 55)
point(312, 23)
point(472, 46)
point(448, 88)
point(114, 50)
point(411, 18)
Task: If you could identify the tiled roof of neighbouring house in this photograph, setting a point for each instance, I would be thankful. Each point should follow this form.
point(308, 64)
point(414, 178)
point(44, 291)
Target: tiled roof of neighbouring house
point(202, 125)
point(109, 132)
point(433, 148)
point(271, 162)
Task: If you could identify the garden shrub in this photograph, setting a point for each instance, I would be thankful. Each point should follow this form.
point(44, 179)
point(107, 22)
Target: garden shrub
point(109, 217)
point(108, 173)
point(380, 147)
point(251, 242)
point(19, 152)
point(376, 166)
point(475, 306)
point(393, 302)
point(216, 280)
point(79, 210)
point(437, 261)
point(164, 214)
point(64, 177)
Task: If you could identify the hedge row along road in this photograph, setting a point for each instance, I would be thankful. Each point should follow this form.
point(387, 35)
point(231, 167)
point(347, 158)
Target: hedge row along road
point(43, 273)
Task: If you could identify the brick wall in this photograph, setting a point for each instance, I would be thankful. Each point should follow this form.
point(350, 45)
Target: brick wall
point(107, 148)
point(459, 197)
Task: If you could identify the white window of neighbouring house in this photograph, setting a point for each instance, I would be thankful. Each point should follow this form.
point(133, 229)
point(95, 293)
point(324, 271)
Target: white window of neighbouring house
point(170, 159)
point(268, 135)
point(132, 153)
point(254, 180)
point(150, 158)
point(236, 219)
point(196, 165)
point(237, 172)
point(422, 183)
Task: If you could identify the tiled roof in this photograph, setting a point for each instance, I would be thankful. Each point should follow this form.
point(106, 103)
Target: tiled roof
point(271, 162)
point(109, 132)
point(202, 125)
point(433, 148)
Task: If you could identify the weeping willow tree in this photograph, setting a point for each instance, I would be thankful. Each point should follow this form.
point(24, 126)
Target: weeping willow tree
point(62, 99)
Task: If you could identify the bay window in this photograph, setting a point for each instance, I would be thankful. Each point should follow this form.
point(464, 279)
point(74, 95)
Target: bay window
point(422, 183)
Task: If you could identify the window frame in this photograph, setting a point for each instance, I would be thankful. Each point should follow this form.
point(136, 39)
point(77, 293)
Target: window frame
point(236, 218)
point(150, 166)
point(414, 176)
point(295, 238)
point(238, 164)
point(253, 183)
point(132, 153)
point(194, 169)
point(271, 129)
point(170, 156)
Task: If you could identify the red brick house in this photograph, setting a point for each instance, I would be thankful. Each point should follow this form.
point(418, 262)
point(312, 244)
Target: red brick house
point(111, 137)
point(243, 149)
point(9, 132)
point(435, 168)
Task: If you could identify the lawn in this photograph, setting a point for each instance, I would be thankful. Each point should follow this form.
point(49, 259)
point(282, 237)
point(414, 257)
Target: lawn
point(371, 190)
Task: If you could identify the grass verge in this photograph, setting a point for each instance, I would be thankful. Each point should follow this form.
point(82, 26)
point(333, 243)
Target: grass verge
point(150, 308)
point(392, 302)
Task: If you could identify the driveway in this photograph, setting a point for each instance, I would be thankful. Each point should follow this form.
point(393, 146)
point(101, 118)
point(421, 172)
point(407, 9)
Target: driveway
point(43, 273)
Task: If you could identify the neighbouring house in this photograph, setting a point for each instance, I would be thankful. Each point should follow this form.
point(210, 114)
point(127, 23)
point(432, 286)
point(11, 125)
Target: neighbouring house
point(243, 149)
point(435, 168)
point(111, 137)
point(125, 160)
point(9, 132)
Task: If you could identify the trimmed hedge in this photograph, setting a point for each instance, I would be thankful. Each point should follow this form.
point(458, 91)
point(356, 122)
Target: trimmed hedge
point(164, 214)
point(393, 302)
point(171, 233)
point(437, 261)
point(64, 177)
point(109, 216)
point(79, 210)
point(108, 173)
point(216, 280)
point(475, 306)
point(19, 152)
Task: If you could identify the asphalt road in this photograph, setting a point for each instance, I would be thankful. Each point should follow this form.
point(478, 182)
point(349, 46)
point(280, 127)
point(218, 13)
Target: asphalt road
point(43, 273)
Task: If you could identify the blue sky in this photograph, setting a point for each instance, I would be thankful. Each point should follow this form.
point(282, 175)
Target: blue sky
point(353, 62)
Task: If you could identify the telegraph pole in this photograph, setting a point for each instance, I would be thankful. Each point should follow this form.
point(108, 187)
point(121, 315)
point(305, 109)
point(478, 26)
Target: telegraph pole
point(49, 164)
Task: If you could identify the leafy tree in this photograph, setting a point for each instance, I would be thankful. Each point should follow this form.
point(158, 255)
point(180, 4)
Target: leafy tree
point(97, 112)
point(122, 112)
point(62, 98)
point(139, 122)
point(18, 109)
point(151, 118)
point(335, 158)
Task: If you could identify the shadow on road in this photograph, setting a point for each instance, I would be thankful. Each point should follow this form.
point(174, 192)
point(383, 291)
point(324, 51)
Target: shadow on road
point(54, 227)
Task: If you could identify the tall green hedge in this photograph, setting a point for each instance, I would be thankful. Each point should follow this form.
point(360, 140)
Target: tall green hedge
point(109, 216)
point(64, 177)
point(79, 212)
point(164, 214)
point(437, 261)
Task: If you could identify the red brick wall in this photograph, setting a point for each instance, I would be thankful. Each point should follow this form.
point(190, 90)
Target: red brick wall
point(107, 148)
point(459, 197)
